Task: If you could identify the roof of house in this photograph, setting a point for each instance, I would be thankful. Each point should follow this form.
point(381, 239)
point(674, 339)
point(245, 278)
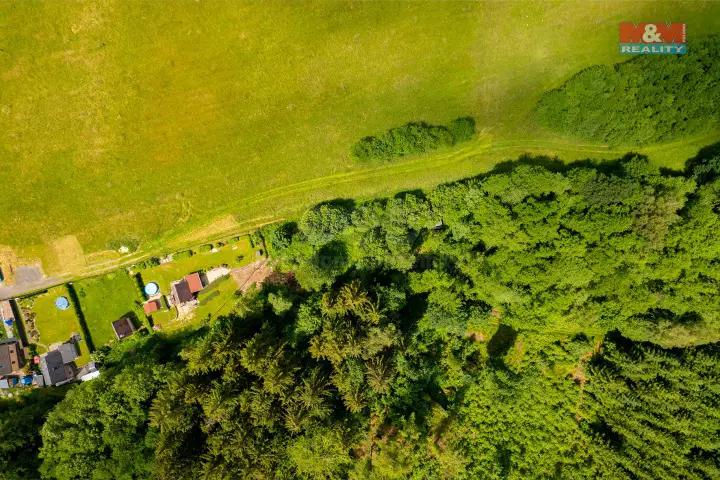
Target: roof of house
point(181, 292)
point(123, 328)
point(90, 376)
point(194, 282)
point(53, 368)
point(151, 306)
point(9, 360)
point(68, 351)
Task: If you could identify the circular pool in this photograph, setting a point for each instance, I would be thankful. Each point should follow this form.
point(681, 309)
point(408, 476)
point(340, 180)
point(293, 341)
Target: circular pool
point(62, 303)
point(151, 289)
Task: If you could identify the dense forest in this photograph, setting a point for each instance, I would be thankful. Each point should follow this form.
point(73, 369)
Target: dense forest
point(541, 321)
point(648, 99)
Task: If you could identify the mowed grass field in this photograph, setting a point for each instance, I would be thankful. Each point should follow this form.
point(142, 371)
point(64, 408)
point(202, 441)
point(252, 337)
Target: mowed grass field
point(105, 299)
point(159, 120)
point(57, 326)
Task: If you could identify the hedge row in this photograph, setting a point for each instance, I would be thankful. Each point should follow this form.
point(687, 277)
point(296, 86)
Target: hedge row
point(413, 139)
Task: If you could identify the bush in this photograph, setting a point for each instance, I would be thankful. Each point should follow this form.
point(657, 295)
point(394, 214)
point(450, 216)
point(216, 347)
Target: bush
point(233, 240)
point(256, 239)
point(240, 258)
point(183, 255)
point(149, 263)
point(412, 139)
point(219, 245)
point(462, 129)
point(278, 236)
point(205, 248)
point(649, 99)
point(140, 286)
point(280, 303)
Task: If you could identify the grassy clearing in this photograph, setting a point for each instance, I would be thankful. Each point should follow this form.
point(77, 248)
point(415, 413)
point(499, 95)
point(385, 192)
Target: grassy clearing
point(106, 299)
point(151, 119)
point(56, 326)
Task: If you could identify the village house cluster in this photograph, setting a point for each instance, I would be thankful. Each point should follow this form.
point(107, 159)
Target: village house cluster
point(21, 366)
point(54, 368)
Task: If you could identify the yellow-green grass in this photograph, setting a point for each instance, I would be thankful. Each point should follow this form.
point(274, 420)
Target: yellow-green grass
point(105, 299)
point(57, 326)
point(163, 319)
point(151, 119)
point(219, 299)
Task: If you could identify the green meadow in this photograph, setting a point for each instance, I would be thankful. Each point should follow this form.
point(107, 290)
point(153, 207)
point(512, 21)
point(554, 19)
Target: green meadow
point(106, 299)
point(152, 120)
point(56, 326)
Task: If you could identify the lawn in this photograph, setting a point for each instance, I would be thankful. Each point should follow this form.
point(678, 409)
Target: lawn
point(105, 299)
point(151, 120)
point(55, 326)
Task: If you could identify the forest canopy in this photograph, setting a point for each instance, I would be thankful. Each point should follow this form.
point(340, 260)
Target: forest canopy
point(648, 99)
point(543, 320)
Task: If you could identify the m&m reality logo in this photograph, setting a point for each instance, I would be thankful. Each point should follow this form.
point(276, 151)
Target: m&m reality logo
point(652, 38)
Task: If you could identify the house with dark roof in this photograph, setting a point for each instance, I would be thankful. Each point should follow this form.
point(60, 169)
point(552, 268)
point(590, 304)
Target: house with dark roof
point(55, 372)
point(123, 328)
point(69, 352)
point(180, 292)
point(10, 358)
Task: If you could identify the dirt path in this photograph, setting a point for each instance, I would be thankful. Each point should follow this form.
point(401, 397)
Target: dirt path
point(468, 152)
point(252, 274)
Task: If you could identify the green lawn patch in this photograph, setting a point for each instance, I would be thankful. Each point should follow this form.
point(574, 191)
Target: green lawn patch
point(55, 326)
point(216, 299)
point(106, 299)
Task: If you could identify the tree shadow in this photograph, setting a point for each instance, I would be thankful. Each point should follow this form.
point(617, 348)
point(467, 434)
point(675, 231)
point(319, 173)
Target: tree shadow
point(500, 343)
point(75, 301)
point(347, 204)
point(705, 166)
point(419, 193)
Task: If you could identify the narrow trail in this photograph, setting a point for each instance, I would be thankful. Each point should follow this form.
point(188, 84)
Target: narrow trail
point(478, 147)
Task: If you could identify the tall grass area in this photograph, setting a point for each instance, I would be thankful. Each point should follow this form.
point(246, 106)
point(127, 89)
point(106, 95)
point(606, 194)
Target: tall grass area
point(143, 120)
